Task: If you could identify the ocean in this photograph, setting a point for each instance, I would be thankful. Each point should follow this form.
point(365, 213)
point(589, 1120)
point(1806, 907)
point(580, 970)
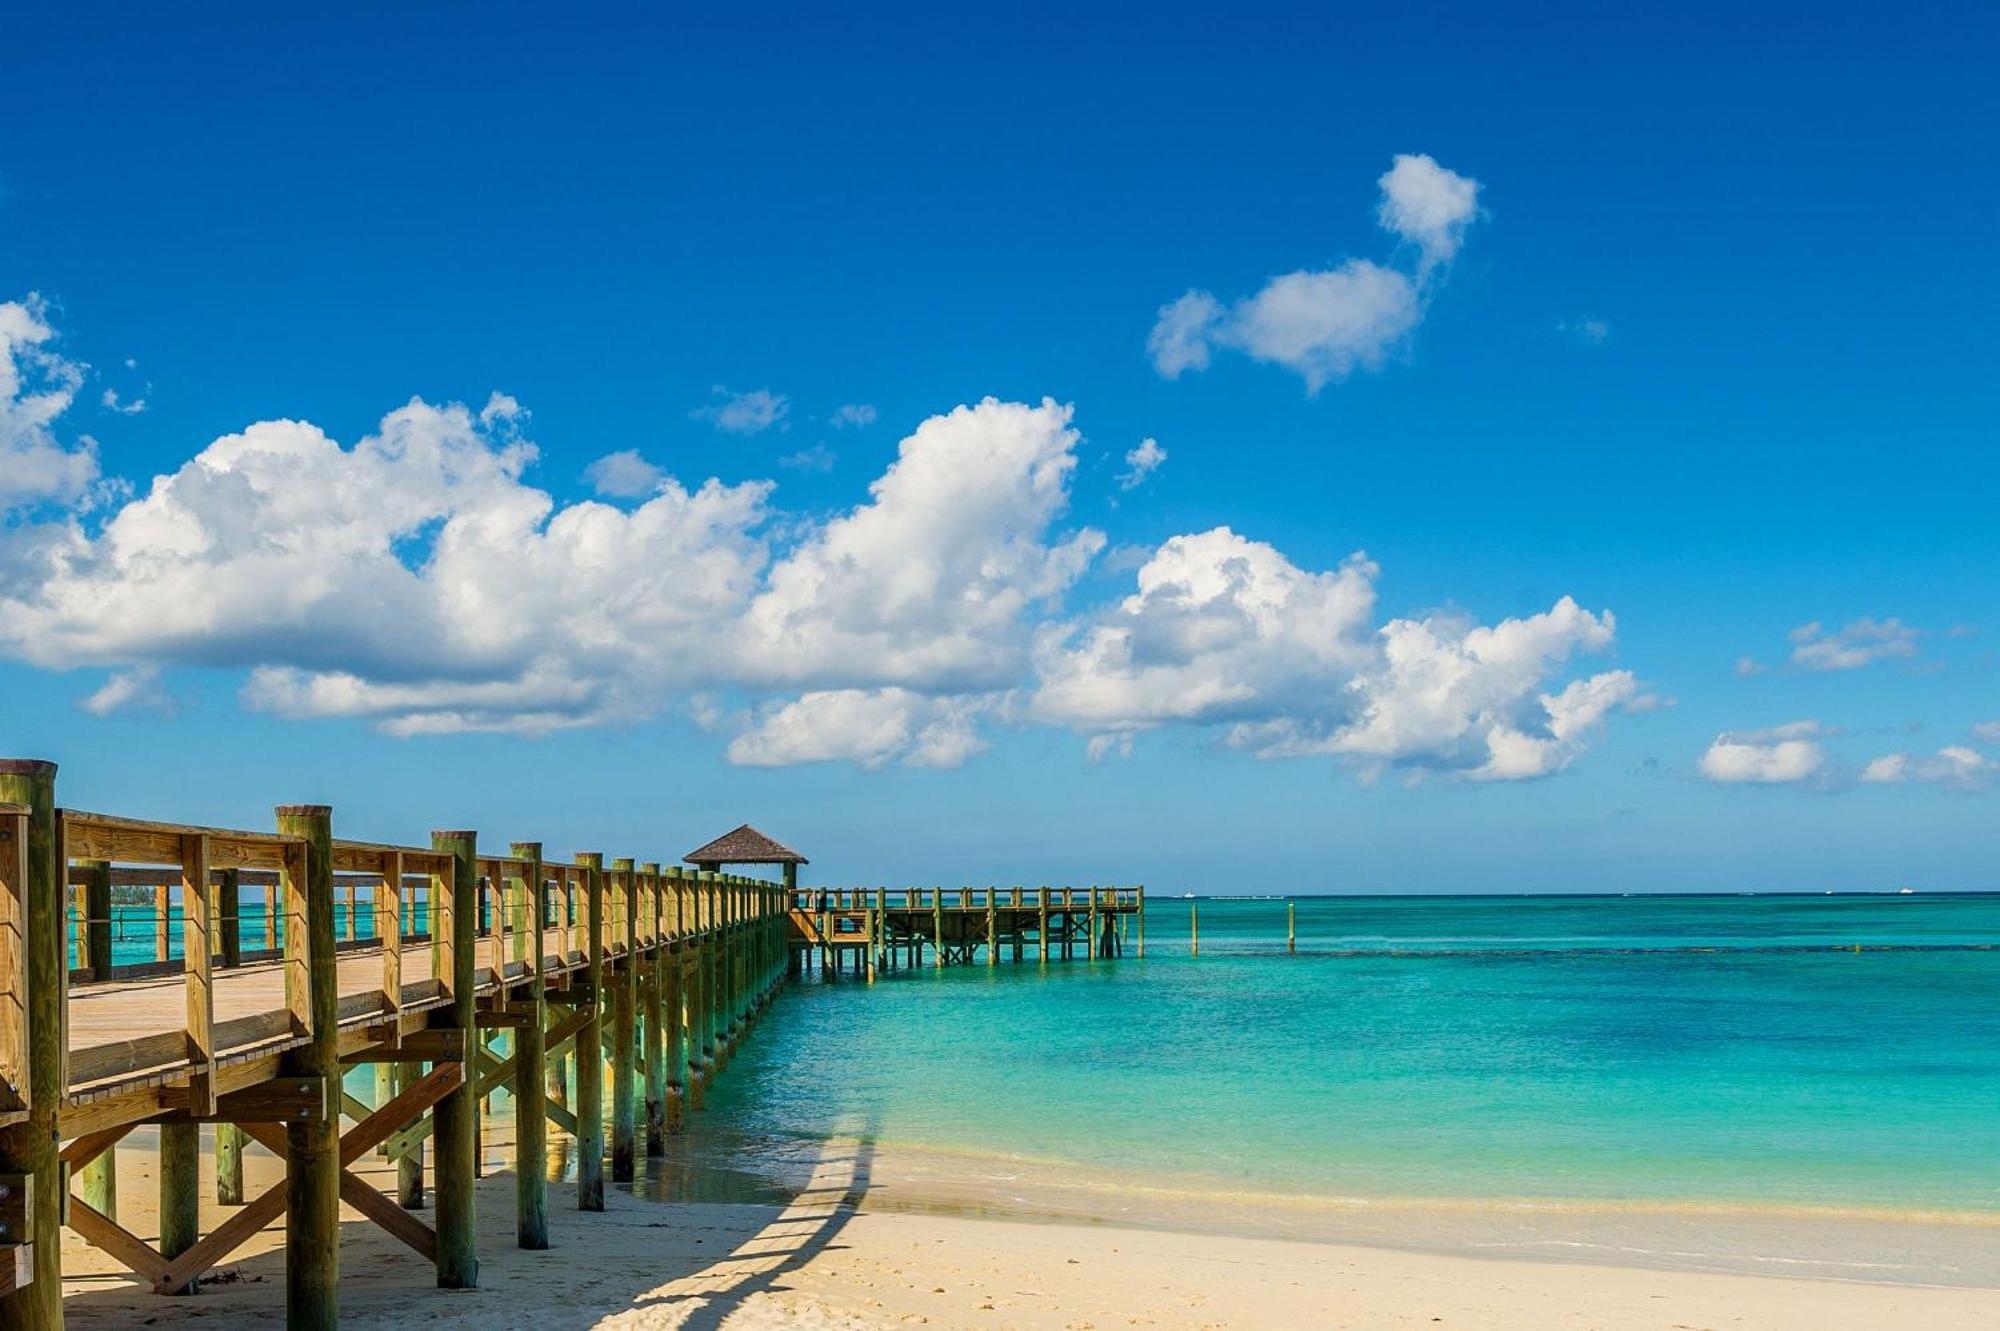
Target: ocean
point(1710, 1056)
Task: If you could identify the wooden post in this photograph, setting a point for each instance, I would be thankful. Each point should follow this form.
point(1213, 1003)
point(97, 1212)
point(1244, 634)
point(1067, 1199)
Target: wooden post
point(228, 1164)
point(197, 970)
point(711, 979)
point(1194, 928)
point(1094, 943)
point(590, 1044)
point(230, 898)
point(624, 1027)
point(1291, 926)
point(992, 931)
point(1142, 919)
point(937, 924)
point(97, 1182)
point(453, 1123)
point(180, 1190)
point(695, 977)
point(97, 918)
point(312, 1147)
point(34, 967)
point(672, 1003)
point(652, 1015)
point(531, 1120)
point(410, 1169)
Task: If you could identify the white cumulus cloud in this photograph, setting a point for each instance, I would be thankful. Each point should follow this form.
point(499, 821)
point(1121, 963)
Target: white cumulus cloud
point(1774, 756)
point(1326, 323)
point(1955, 766)
point(36, 386)
point(1226, 631)
point(1427, 205)
point(855, 416)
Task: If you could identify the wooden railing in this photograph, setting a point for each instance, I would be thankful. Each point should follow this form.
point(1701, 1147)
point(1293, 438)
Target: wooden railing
point(815, 900)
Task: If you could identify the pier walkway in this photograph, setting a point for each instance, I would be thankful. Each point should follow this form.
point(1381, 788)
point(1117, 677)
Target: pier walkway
point(603, 996)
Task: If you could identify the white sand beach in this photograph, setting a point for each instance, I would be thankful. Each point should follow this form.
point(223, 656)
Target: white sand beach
point(820, 1263)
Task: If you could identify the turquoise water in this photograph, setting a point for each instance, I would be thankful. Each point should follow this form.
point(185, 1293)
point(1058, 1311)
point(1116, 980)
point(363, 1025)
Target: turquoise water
point(1731, 1050)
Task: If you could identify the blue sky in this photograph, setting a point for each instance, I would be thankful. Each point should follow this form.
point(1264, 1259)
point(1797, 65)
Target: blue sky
point(1702, 338)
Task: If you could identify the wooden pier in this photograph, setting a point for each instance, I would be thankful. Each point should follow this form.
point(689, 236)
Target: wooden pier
point(279, 961)
point(861, 931)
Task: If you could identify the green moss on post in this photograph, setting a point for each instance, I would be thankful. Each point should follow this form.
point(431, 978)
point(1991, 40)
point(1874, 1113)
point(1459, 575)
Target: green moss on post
point(590, 1045)
point(312, 1148)
point(97, 1182)
point(531, 1121)
point(228, 1164)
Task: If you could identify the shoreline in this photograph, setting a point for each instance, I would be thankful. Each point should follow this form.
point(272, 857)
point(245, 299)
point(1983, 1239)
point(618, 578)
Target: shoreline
point(817, 1261)
point(1857, 1244)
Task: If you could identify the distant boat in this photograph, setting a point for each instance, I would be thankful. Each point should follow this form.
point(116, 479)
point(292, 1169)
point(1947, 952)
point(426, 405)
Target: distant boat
point(1906, 891)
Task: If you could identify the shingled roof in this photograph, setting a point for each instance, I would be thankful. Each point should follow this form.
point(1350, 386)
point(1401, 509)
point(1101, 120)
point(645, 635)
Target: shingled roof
point(746, 845)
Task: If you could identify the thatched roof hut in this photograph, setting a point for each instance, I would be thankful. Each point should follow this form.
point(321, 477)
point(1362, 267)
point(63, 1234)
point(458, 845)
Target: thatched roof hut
point(746, 845)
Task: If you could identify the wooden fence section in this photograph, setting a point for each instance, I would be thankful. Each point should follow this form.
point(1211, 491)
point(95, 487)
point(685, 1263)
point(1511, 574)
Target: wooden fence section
point(409, 958)
point(863, 930)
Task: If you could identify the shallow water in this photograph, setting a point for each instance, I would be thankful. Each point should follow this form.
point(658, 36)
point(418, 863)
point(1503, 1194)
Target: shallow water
point(1687, 1051)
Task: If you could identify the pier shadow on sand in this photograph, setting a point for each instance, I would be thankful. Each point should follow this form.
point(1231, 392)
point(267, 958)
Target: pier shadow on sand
point(684, 1248)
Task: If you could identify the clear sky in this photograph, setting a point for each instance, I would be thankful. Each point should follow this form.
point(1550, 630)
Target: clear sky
point(584, 433)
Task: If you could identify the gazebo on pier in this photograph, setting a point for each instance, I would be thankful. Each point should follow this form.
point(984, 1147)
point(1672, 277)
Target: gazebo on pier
point(746, 845)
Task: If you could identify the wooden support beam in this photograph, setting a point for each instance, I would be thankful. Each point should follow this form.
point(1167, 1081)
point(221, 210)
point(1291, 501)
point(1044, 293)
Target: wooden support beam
point(101, 1231)
point(312, 1145)
point(454, 1117)
point(34, 982)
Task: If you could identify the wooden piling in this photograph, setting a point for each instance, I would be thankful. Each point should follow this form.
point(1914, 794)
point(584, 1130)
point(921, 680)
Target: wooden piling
point(673, 1000)
point(180, 1190)
point(34, 948)
point(228, 1165)
point(590, 1042)
point(97, 918)
point(453, 1126)
point(229, 896)
point(1140, 919)
point(531, 1119)
point(624, 1026)
point(312, 1146)
point(1291, 927)
point(652, 1015)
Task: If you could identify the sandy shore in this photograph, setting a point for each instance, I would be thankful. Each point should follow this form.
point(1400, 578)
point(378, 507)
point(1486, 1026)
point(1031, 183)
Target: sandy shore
point(819, 1263)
